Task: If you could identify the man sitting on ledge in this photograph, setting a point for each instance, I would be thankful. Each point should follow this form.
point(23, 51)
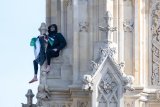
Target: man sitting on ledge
point(54, 48)
point(54, 42)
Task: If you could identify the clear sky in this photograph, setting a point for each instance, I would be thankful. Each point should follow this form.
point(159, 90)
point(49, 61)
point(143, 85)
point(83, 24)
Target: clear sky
point(19, 22)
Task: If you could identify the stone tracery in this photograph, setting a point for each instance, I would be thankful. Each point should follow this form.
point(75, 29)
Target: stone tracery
point(155, 43)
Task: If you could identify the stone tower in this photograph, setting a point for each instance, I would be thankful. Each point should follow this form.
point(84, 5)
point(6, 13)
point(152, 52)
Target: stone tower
point(107, 40)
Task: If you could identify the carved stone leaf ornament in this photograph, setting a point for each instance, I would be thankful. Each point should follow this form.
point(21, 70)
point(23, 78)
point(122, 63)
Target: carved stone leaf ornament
point(108, 90)
point(128, 25)
point(83, 26)
point(107, 84)
point(82, 104)
point(87, 82)
point(68, 2)
point(155, 78)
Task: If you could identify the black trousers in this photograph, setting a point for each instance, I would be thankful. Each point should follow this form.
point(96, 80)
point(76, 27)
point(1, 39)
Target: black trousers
point(50, 54)
point(35, 64)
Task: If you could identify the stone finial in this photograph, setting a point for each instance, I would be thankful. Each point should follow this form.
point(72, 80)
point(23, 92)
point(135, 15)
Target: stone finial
point(107, 29)
point(29, 96)
point(43, 28)
point(108, 17)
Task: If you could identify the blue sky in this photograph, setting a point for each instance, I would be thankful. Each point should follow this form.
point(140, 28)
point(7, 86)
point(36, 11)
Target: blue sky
point(19, 22)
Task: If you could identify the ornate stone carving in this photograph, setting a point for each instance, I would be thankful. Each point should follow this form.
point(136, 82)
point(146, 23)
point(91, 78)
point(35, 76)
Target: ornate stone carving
point(108, 27)
point(83, 26)
point(43, 94)
point(128, 25)
point(82, 103)
point(107, 51)
point(94, 65)
point(87, 82)
point(67, 3)
point(155, 74)
point(107, 89)
point(61, 105)
point(155, 78)
point(121, 66)
point(129, 104)
point(107, 84)
point(103, 52)
point(128, 80)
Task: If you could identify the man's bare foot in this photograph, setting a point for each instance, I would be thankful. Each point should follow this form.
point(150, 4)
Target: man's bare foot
point(48, 68)
point(33, 80)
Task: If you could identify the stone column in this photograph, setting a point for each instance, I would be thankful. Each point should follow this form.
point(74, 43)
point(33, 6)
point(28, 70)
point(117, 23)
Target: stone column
point(144, 43)
point(83, 36)
point(91, 32)
point(75, 41)
point(101, 4)
point(144, 46)
point(48, 12)
point(80, 38)
point(136, 42)
point(120, 31)
point(54, 12)
point(63, 16)
point(128, 28)
point(115, 21)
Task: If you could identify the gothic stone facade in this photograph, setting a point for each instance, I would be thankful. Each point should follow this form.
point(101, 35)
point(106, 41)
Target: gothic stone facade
point(91, 71)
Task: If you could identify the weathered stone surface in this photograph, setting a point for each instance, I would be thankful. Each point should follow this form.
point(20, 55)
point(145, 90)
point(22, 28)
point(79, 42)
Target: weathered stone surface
point(89, 72)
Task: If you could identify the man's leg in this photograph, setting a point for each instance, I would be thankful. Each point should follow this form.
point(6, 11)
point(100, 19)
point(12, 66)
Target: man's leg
point(35, 64)
point(48, 54)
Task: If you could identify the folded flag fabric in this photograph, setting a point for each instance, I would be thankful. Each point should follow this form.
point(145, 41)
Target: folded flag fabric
point(37, 48)
point(33, 42)
point(51, 41)
point(36, 43)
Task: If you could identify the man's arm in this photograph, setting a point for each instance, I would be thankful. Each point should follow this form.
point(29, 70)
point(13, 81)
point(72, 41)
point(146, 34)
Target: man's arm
point(62, 42)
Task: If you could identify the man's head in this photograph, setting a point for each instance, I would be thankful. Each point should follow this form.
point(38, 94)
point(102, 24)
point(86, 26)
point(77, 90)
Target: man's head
point(52, 29)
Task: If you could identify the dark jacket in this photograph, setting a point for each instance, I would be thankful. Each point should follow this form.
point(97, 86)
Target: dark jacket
point(59, 42)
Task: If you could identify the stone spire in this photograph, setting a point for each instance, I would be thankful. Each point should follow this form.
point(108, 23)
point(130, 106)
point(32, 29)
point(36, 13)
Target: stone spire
point(29, 96)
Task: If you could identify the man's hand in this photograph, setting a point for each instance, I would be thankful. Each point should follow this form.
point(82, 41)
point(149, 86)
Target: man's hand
point(55, 49)
point(46, 38)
